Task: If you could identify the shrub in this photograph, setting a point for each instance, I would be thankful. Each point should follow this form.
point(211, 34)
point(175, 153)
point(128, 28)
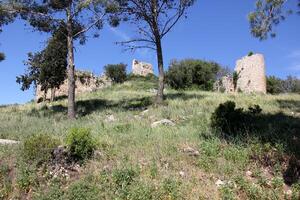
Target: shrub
point(250, 53)
point(192, 73)
point(232, 121)
point(117, 72)
point(80, 143)
point(274, 85)
point(38, 148)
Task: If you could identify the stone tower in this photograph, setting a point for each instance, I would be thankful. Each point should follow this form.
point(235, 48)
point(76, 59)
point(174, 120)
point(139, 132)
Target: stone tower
point(141, 68)
point(252, 76)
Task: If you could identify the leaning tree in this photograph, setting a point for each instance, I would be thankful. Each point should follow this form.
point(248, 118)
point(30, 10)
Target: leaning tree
point(153, 19)
point(267, 15)
point(78, 16)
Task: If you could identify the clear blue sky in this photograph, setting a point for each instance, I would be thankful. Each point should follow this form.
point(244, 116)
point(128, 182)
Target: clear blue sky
point(215, 30)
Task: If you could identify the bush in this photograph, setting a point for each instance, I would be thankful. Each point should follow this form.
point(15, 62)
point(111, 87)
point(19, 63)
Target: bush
point(80, 143)
point(274, 85)
point(289, 85)
point(39, 148)
point(117, 72)
point(233, 121)
point(192, 73)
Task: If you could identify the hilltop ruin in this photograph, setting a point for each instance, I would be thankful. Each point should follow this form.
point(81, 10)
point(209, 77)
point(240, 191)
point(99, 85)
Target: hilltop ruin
point(85, 82)
point(251, 76)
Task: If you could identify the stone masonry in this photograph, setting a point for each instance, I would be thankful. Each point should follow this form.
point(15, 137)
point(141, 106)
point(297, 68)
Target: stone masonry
point(85, 82)
point(251, 76)
point(141, 68)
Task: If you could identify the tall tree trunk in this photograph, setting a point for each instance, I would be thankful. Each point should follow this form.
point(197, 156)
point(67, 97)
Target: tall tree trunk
point(161, 76)
point(71, 67)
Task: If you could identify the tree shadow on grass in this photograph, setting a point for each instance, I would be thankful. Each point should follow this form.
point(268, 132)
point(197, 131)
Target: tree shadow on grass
point(293, 105)
point(87, 107)
point(280, 131)
point(183, 96)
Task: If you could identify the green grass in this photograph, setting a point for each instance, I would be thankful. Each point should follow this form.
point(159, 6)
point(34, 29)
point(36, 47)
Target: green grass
point(154, 154)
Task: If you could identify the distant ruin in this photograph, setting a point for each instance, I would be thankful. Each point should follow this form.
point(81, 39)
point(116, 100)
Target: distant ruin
point(141, 68)
point(251, 76)
point(85, 82)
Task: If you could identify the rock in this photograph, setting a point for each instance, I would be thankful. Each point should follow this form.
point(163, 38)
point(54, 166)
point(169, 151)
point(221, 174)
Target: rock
point(110, 118)
point(249, 174)
point(98, 154)
point(154, 91)
point(165, 122)
point(8, 142)
point(288, 192)
point(144, 112)
point(191, 151)
point(182, 174)
point(60, 156)
point(220, 183)
point(141, 68)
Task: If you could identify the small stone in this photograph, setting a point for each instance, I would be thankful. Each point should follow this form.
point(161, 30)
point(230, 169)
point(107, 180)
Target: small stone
point(249, 173)
point(165, 122)
point(98, 154)
point(110, 118)
point(191, 151)
point(144, 112)
point(182, 173)
point(8, 142)
point(288, 192)
point(220, 183)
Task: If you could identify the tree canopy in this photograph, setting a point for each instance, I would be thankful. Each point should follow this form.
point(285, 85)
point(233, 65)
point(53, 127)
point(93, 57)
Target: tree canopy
point(267, 15)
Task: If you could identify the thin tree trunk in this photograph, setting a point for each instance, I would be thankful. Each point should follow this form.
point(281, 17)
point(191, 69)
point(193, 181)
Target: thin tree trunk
point(45, 95)
point(161, 77)
point(71, 67)
point(52, 95)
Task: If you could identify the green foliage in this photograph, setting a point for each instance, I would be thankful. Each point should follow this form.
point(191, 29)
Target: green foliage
point(117, 73)
point(274, 85)
point(124, 177)
point(171, 188)
point(250, 53)
point(268, 14)
point(26, 176)
point(53, 192)
point(192, 73)
point(38, 148)
point(5, 181)
point(289, 85)
point(48, 67)
point(81, 144)
point(82, 190)
point(235, 78)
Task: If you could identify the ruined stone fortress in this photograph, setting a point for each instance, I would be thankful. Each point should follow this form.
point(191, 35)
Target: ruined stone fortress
point(88, 82)
point(251, 76)
point(85, 82)
point(250, 70)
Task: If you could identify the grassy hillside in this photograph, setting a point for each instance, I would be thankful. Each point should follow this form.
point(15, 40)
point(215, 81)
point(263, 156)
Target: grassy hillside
point(141, 162)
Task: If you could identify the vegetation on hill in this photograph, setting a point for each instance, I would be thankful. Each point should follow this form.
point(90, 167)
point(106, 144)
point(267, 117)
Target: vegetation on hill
point(133, 160)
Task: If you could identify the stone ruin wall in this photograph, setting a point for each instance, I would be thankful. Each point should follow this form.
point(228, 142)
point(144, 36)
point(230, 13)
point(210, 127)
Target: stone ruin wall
point(85, 82)
point(251, 73)
point(141, 68)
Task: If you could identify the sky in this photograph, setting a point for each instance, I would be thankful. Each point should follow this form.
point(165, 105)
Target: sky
point(214, 30)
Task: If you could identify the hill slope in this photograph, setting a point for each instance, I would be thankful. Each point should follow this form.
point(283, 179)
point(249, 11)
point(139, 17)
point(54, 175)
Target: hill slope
point(185, 161)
